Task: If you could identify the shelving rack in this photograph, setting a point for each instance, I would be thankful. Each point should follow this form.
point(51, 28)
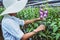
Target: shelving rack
point(50, 3)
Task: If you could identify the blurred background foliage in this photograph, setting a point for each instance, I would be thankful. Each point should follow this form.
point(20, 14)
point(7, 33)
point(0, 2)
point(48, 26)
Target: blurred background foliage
point(52, 22)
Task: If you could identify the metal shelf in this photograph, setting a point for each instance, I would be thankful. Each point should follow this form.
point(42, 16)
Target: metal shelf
point(50, 3)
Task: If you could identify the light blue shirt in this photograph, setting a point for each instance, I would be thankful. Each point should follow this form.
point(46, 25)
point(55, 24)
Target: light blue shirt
point(11, 28)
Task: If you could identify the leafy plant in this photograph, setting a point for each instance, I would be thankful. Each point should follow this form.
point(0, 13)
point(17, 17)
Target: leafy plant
point(1, 10)
point(52, 22)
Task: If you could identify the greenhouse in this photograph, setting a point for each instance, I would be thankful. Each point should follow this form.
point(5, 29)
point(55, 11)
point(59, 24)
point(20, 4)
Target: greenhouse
point(32, 10)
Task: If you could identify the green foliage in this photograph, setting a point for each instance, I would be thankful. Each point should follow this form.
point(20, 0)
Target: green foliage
point(1, 10)
point(52, 22)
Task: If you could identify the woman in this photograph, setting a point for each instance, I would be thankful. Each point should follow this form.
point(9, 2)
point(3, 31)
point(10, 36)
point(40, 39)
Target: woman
point(11, 24)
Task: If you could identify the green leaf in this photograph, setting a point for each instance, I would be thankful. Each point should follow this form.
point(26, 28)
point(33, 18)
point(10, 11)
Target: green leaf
point(55, 28)
point(57, 36)
point(53, 23)
point(42, 34)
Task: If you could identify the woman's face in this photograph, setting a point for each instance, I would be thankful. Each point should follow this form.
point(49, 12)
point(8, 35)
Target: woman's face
point(13, 14)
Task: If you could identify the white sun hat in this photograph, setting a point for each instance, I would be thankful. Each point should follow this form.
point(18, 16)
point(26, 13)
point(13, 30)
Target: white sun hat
point(13, 6)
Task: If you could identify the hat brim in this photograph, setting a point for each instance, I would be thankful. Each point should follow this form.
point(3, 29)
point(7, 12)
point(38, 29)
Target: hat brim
point(14, 8)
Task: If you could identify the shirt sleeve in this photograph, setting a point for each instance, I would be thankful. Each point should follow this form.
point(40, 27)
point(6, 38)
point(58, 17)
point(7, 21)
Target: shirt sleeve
point(21, 22)
point(13, 29)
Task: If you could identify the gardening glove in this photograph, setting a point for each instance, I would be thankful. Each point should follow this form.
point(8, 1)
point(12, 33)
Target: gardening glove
point(45, 13)
point(41, 13)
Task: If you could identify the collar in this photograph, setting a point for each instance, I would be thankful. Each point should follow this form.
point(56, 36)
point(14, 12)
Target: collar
point(8, 16)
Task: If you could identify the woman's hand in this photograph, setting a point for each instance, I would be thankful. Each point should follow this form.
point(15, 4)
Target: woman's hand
point(40, 28)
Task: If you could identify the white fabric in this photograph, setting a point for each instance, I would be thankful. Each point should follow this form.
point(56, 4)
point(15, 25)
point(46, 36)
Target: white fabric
point(11, 29)
point(14, 7)
point(7, 3)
